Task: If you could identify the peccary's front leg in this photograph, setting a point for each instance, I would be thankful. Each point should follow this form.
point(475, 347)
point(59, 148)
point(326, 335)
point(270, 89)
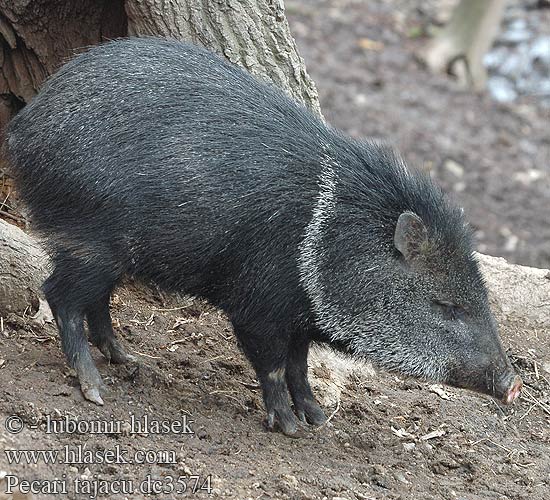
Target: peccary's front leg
point(277, 402)
point(305, 404)
point(267, 352)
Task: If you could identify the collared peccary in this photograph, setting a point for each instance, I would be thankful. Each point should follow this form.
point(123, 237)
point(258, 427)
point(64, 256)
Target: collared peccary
point(158, 159)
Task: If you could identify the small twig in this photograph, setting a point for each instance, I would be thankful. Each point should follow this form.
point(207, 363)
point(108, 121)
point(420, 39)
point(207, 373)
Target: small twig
point(498, 407)
point(527, 412)
point(324, 424)
point(178, 341)
point(492, 442)
point(3, 204)
point(478, 441)
point(145, 323)
point(15, 218)
point(147, 355)
point(225, 337)
point(508, 450)
point(213, 359)
point(533, 399)
point(227, 394)
point(249, 385)
point(171, 308)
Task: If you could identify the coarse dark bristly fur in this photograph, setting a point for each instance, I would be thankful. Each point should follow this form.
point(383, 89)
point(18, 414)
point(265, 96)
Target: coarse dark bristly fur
point(158, 159)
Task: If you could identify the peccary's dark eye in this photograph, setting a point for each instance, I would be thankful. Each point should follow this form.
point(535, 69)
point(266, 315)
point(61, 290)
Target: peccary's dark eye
point(451, 311)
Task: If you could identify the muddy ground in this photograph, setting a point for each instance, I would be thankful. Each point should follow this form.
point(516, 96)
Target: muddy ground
point(388, 438)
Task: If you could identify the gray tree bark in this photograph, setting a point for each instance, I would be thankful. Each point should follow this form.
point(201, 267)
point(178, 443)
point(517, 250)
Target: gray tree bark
point(38, 36)
point(23, 268)
point(252, 33)
point(460, 47)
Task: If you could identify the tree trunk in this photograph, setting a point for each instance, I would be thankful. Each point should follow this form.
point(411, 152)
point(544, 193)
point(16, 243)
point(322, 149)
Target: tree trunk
point(38, 36)
point(252, 33)
point(23, 268)
point(460, 47)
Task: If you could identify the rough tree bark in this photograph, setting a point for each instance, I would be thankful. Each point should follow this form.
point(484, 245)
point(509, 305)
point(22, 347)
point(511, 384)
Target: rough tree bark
point(37, 36)
point(459, 48)
point(252, 33)
point(23, 268)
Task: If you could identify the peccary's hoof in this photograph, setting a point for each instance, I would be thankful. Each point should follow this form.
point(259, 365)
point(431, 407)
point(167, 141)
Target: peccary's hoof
point(92, 394)
point(285, 421)
point(310, 412)
point(90, 380)
point(115, 353)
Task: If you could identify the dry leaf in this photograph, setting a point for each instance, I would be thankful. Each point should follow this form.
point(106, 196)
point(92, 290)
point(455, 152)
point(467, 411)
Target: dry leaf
point(368, 44)
point(433, 434)
point(438, 389)
point(402, 433)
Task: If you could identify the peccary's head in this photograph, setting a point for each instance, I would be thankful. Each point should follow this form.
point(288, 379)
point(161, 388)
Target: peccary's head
point(388, 264)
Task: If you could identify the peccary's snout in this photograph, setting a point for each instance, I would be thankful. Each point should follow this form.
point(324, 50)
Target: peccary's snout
point(513, 391)
point(504, 387)
point(499, 381)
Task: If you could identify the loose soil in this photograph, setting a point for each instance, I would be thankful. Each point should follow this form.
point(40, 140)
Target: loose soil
point(388, 438)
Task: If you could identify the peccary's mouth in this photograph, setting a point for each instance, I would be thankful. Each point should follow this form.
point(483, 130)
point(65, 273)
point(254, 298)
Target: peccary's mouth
point(505, 388)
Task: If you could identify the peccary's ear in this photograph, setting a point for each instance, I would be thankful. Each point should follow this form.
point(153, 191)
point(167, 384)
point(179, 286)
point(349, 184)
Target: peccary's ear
point(410, 235)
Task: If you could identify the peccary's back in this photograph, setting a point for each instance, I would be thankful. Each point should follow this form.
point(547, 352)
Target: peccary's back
point(162, 143)
point(160, 113)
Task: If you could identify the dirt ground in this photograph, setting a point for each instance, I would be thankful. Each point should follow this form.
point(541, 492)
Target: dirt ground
point(388, 438)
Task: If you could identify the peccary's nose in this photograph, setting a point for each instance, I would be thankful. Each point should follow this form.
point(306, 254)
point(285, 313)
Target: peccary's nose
point(513, 391)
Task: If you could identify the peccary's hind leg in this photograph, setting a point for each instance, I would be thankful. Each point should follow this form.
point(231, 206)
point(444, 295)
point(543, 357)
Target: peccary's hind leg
point(80, 278)
point(305, 404)
point(267, 351)
point(76, 349)
point(70, 322)
point(102, 334)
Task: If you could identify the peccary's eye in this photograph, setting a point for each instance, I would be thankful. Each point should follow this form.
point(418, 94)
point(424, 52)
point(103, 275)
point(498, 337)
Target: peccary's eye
point(451, 311)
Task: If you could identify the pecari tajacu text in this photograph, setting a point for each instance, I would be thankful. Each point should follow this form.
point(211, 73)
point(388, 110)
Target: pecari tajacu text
point(158, 159)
